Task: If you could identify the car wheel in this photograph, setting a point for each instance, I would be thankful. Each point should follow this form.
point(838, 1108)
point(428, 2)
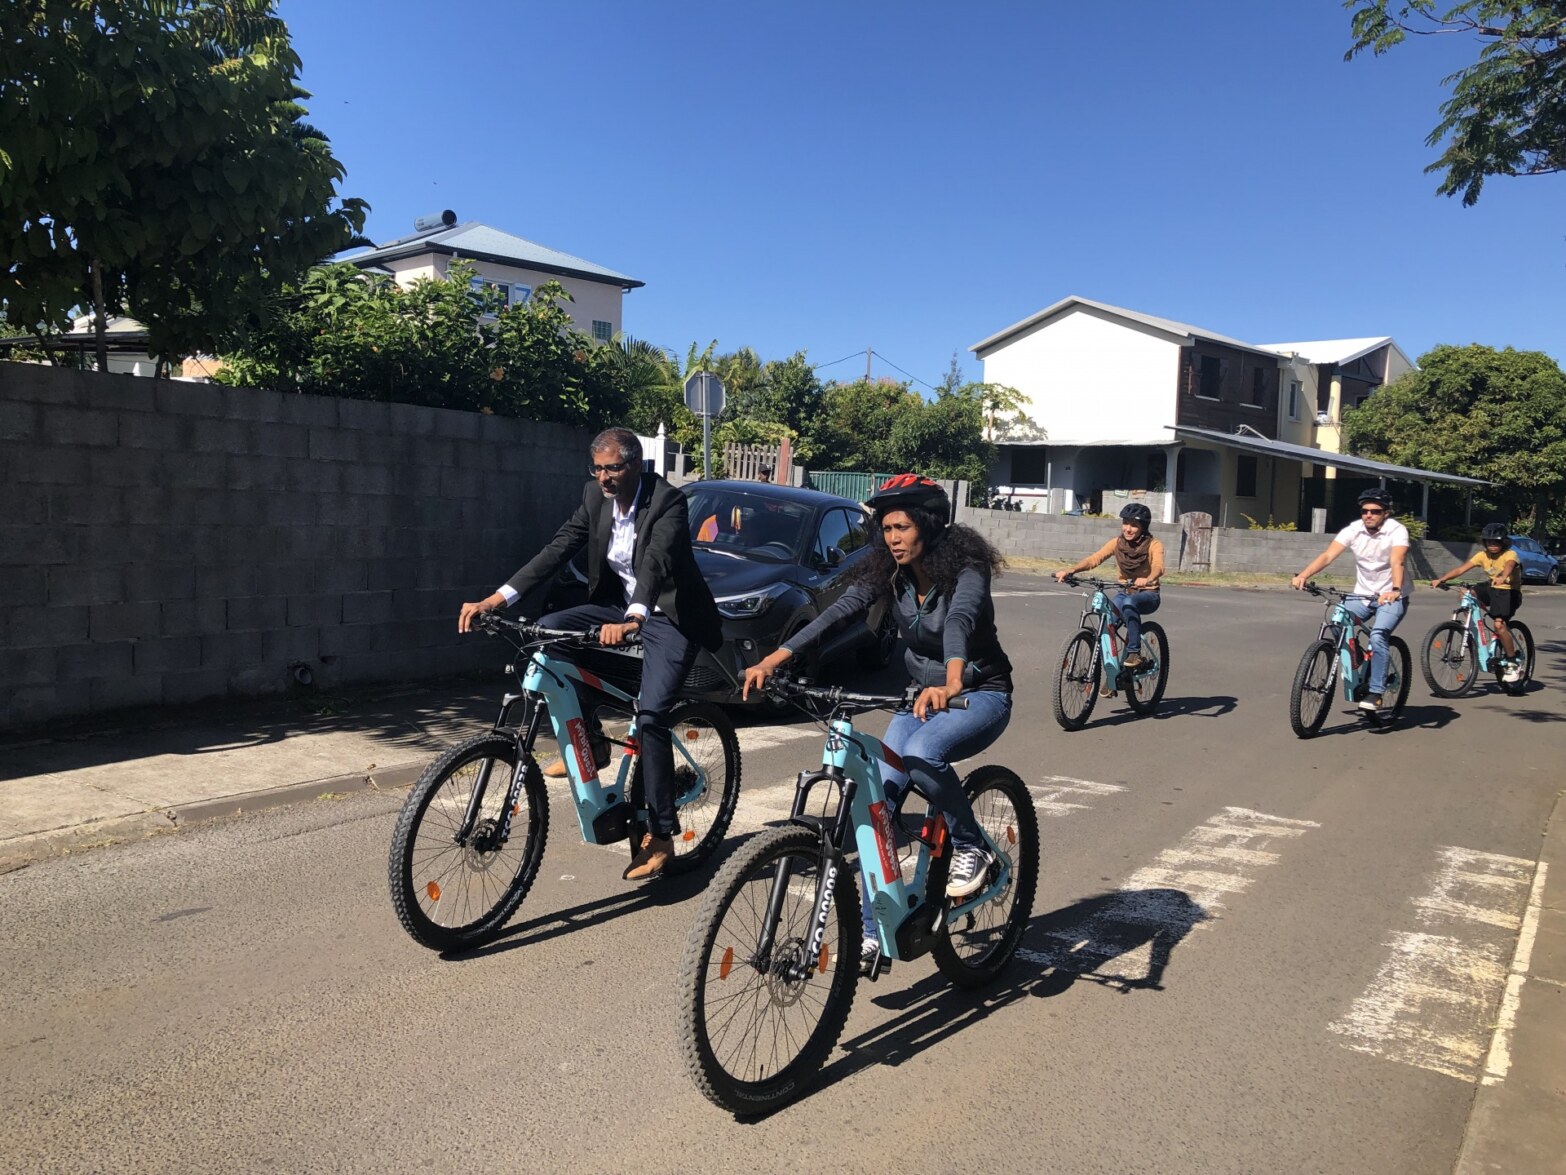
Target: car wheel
point(1554, 577)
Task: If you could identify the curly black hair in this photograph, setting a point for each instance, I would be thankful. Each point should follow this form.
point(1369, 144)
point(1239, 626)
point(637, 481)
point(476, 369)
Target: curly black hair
point(948, 550)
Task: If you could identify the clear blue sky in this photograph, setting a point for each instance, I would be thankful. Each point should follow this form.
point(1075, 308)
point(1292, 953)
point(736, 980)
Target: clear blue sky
point(913, 177)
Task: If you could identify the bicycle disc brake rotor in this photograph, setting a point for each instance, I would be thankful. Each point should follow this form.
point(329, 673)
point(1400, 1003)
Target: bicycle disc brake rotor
point(483, 844)
point(789, 970)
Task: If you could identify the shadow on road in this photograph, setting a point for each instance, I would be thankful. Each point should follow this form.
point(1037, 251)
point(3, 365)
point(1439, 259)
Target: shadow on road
point(1215, 706)
point(1426, 717)
point(1077, 942)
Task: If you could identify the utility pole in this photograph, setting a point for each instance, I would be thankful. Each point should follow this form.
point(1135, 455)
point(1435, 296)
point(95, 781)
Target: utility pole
point(867, 365)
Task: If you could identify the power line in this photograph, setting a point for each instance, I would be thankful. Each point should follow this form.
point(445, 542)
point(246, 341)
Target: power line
point(909, 374)
point(834, 362)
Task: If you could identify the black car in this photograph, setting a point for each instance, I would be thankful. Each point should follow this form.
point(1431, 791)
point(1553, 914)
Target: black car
point(774, 557)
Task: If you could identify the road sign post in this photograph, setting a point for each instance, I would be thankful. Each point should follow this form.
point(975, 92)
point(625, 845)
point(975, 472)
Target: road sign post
point(704, 397)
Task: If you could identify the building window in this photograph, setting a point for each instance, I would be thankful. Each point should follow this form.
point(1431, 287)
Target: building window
point(480, 284)
point(1294, 399)
point(1212, 378)
point(1245, 477)
point(602, 331)
point(1258, 397)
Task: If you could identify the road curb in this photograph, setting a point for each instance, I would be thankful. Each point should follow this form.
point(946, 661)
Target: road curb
point(1519, 1124)
point(58, 842)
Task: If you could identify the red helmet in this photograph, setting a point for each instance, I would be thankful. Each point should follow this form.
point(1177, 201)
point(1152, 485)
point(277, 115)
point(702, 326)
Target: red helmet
point(907, 491)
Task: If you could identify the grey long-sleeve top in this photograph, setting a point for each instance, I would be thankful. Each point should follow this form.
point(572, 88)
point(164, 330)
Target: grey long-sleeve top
point(935, 632)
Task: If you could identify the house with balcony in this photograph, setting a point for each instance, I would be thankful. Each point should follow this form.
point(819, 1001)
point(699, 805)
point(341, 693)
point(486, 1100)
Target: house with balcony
point(1131, 406)
point(512, 265)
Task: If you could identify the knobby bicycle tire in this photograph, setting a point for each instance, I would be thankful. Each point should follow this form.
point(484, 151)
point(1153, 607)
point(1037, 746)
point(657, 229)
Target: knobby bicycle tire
point(1077, 672)
point(1308, 682)
point(1401, 662)
point(1021, 841)
point(703, 1008)
point(714, 813)
point(412, 898)
point(1153, 637)
point(1524, 638)
point(1443, 643)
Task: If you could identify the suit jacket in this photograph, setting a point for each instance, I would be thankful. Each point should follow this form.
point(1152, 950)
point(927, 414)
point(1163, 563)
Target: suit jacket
point(665, 566)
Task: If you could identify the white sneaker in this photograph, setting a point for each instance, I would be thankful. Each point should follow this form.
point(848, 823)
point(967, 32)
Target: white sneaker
point(1512, 674)
point(969, 867)
point(1371, 704)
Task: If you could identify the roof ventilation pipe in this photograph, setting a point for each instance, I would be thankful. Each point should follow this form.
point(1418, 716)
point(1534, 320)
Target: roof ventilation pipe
point(438, 220)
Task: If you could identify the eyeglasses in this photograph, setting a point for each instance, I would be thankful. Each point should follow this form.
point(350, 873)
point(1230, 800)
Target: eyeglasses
point(614, 467)
point(1372, 510)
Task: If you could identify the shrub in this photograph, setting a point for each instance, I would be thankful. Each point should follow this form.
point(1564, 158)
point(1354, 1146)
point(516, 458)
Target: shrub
point(1269, 524)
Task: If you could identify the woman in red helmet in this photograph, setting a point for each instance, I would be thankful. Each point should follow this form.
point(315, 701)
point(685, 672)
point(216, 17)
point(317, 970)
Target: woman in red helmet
point(936, 579)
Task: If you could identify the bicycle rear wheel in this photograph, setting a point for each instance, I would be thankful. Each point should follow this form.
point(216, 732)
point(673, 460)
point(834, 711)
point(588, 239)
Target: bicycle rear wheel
point(1448, 660)
point(1311, 695)
point(706, 781)
point(755, 1029)
point(975, 949)
point(1076, 680)
point(447, 894)
point(1400, 669)
point(1147, 684)
point(1525, 654)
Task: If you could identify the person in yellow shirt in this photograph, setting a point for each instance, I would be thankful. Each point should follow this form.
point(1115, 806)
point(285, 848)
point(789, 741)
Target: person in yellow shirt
point(1502, 596)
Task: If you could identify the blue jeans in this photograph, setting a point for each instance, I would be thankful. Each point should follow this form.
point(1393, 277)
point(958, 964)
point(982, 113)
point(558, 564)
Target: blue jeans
point(1387, 617)
point(1133, 606)
point(928, 750)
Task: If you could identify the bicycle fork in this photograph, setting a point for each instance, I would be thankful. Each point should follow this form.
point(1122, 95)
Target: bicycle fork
point(470, 818)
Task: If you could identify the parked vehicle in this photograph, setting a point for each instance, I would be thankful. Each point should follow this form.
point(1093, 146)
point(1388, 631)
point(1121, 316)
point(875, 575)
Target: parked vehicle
point(774, 557)
point(1538, 566)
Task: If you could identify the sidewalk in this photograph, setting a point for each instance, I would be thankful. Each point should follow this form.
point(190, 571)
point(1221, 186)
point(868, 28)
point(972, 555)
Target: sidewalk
point(102, 784)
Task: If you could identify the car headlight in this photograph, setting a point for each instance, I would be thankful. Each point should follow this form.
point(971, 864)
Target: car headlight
point(743, 607)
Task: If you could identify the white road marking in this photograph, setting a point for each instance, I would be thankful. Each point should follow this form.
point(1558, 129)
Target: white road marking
point(1499, 1061)
point(1431, 1002)
point(1125, 938)
point(1061, 795)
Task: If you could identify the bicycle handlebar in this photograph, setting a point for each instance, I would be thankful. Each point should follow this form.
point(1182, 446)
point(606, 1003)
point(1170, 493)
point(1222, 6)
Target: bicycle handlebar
point(1316, 589)
point(492, 623)
point(1079, 580)
point(785, 686)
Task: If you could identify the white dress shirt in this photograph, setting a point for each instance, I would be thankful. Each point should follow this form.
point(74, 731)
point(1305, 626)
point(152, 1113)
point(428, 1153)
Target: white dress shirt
point(622, 551)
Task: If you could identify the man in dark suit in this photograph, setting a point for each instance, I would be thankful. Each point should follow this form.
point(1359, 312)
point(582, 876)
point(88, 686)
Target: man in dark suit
point(641, 577)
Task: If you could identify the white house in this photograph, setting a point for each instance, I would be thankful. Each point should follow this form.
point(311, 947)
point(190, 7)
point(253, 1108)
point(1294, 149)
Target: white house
point(1137, 407)
point(514, 266)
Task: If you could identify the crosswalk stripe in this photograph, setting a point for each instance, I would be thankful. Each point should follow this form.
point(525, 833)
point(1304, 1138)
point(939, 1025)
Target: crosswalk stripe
point(1123, 939)
point(1433, 999)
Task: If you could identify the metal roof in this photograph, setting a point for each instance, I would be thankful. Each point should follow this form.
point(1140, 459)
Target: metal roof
point(1361, 465)
point(1337, 351)
point(1184, 330)
point(484, 243)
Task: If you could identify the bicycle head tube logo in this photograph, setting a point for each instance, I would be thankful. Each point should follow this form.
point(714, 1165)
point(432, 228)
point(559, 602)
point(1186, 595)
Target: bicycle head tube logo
point(576, 729)
point(881, 824)
point(818, 932)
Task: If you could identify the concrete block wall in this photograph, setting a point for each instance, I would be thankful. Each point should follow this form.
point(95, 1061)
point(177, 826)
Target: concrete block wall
point(1281, 552)
point(166, 542)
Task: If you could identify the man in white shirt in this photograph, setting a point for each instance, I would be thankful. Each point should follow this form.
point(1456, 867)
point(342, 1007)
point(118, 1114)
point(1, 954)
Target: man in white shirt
point(1380, 546)
point(641, 577)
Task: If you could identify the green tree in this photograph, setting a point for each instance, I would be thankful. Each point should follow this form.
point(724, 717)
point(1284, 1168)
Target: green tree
point(1003, 408)
point(154, 161)
point(1507, 112)
point(1476, 412)
point(437, 342)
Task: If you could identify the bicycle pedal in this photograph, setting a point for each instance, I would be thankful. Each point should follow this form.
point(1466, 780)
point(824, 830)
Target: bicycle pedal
point(877, 969)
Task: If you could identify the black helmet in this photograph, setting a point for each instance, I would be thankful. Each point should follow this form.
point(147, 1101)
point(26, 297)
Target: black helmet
point(1379, 496)
point(910, 491)
point(1138, 513)
point(1495, 532)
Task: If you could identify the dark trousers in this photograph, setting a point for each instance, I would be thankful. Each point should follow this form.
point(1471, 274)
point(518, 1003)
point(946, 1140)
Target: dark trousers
point(667, 657)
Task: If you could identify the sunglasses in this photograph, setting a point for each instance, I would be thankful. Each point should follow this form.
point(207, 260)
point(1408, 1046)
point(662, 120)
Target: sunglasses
point(1372, 510)
point(615, 467)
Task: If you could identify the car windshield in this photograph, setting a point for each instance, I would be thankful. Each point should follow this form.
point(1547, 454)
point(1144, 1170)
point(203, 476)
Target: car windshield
point(749, 525)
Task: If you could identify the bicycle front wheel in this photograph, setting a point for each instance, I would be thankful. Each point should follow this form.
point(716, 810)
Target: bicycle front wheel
point(450, 893)
point(1400, 668)
point(706, 781)
point(1311, 695)
point(1076, 680)
point(757, 1024)
point(1449, 661)
point(979, 945)
point(1147, 684)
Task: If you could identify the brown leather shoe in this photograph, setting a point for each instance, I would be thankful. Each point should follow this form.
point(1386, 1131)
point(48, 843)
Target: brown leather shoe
point(655, 854)
point(556, 768)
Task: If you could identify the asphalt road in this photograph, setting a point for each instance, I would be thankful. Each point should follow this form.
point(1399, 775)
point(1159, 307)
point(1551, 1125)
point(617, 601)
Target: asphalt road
point(1320, 994)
